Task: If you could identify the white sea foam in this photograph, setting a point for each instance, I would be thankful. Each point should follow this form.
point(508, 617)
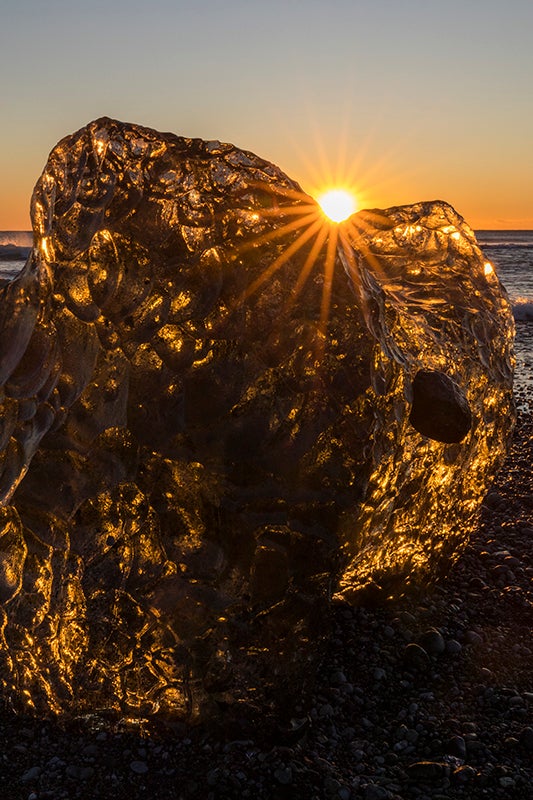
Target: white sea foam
point(506, 245)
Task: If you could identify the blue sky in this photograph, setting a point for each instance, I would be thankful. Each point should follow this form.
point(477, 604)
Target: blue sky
point(411, 99)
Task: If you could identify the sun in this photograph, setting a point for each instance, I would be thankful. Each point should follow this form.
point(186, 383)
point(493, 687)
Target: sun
point(337, 204)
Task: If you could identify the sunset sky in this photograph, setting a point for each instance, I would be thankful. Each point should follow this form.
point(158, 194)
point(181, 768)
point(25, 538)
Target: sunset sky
point(406, 100)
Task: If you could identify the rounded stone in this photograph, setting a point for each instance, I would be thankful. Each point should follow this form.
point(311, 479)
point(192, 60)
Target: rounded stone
point(415, 656)
point(456, 746)
point(283, 775)
point(464, 774)
point(526, 738)
point(428, 770)
point(473, 638)
point(453, 647)
point(139, 767)
point(433, 642)
point(374, 791)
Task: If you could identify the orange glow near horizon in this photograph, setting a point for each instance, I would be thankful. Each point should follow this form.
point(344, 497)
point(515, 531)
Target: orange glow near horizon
point(339, 158)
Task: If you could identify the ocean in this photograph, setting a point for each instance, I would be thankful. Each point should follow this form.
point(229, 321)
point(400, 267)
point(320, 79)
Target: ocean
point(510, 253)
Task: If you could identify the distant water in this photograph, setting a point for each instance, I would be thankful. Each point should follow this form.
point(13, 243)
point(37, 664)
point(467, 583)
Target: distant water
point(14, 249)
point(510, 252)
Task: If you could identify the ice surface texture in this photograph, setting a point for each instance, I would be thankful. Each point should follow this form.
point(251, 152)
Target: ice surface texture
point(218, 410)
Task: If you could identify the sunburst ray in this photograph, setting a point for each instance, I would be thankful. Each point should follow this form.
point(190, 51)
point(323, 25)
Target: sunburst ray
point(329, 268)
point(278, 232)
point(309, 263)
point(282, 259)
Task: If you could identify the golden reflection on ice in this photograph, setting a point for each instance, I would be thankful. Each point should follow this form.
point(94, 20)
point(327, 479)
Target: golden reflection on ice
point(46, 247)
point(213, 396)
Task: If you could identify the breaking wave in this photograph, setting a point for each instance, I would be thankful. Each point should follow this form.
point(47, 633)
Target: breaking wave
point(504, 239)
point(16, 238)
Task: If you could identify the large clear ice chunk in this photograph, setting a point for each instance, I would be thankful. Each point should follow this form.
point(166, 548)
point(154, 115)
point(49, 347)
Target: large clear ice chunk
point(219, 411)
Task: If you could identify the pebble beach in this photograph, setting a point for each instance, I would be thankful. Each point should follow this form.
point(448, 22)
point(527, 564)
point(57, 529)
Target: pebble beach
point(431, 697)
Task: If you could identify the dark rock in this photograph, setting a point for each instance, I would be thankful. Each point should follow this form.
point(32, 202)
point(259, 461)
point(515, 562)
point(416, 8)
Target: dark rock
point(453, 647)
point(440, 408)
point(139, 767)
point(415, 656)
point(510, 742)
point(507, 782)
point(32, 774)
point(204, 434)
point(526, 739)
point(283, 775)
point(476, 748)
point(432, 642)
point(464, 774)
point(374, 791)
point(428, 771)
point(456, 746)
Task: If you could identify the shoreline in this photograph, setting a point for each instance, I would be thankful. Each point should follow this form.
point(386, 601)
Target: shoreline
point(430, 697)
